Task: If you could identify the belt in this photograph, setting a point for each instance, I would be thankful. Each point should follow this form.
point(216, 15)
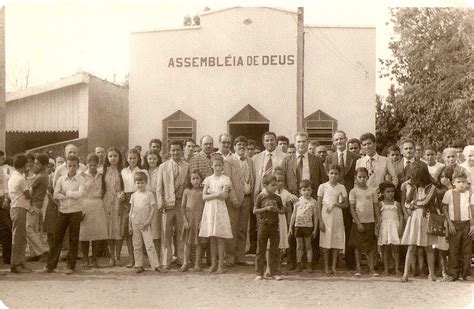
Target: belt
point(248, 195)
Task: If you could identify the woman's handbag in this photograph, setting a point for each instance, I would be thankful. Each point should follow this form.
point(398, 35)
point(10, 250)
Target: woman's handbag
point(436, 225)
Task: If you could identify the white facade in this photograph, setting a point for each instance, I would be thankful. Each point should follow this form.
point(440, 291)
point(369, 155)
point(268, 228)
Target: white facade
point(247, 56)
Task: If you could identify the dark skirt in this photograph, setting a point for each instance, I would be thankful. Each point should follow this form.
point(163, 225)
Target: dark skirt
point(365, 241)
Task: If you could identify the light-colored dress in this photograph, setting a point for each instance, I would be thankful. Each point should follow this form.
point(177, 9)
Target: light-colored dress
point(282, 220)
point(94, 224)
point(388, 234)
point(157, 216)
point(417, 225)
point(112, 203)
point(215, 218)
point(334, 235)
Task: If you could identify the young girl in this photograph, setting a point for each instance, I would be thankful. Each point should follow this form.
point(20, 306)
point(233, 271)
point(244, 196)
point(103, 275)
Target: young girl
point(133, 161)
point(420, 200)
point(215, 222)
point(191, 207)
point(365, 215)
point(93, 225)
point(391, 226)
point(434, 167)
point(304, 224)
point(153, 160)
point(332, 198)
point(113, 195)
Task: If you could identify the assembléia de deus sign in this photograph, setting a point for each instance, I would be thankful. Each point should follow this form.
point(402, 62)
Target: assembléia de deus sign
point(230, 61)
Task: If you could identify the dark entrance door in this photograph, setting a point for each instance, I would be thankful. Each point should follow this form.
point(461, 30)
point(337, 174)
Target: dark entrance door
point(249, 130)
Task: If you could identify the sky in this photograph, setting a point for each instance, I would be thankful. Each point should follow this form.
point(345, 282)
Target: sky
point(52, 39)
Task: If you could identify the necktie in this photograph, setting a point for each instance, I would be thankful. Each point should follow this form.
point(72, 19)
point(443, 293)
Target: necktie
point(456, 205)
point(341, 160)
point(245, 169)
point(269, 166)
point(299, 169)
point(370, 166)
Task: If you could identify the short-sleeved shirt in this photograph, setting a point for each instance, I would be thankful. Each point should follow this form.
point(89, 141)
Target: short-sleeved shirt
point(142, 204)
point(364, 200)
point(40, 186)
point(459, 204)
point(331, 194)
point(17, 184)
point(305, 209)
point(265, 199)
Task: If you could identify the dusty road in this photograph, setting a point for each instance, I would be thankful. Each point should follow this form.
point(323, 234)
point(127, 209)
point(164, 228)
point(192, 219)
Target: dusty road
point(121, 287)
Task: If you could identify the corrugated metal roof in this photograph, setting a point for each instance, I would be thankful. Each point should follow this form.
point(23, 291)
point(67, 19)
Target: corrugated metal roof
point(64, 82)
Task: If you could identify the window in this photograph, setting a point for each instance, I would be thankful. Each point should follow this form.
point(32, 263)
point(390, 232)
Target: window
point(320, 127)
point(178, 126)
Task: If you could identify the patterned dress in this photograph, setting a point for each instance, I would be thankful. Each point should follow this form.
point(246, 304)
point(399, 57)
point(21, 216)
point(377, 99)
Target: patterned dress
point(112, 203)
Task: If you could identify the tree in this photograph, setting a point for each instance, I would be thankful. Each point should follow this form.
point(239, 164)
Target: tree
point(431, 65)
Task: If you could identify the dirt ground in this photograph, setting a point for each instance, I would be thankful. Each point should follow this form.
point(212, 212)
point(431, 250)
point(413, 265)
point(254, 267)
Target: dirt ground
point(121, 287)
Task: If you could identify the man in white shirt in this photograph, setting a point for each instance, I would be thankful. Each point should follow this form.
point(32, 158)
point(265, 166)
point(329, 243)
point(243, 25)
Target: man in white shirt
point(69, 150)
point(225, 141)
point(378, 166)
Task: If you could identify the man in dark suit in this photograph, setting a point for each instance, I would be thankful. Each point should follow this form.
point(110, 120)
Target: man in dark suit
point(299, 166)
point(402, 167)
point(347, 161)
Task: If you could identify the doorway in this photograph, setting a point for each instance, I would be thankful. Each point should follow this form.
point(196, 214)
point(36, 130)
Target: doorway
point(250, 131)
point(250, 123)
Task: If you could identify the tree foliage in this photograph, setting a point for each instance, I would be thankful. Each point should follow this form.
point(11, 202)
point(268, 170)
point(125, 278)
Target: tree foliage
point(431, 67)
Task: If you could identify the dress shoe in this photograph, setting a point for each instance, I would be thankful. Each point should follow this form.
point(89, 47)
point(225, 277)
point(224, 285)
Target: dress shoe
point(18, 270)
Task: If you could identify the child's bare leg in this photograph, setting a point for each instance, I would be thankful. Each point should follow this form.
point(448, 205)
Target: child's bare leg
point(197, 263)
point(309, 254)
point(385, 259)
point(421, 260)
point(221, 251)
point(187, 254)
point(118, 248)
point(326, 260)
point(213, 243)
point(357, 258)
point(299, 252)
point(396, 259)
point(268, 271)
point(370, 261)
point(408, 260)
point(111, 244)
point(85, 253)
point(335, 255)
point(128, 239)
point(431, 262)
point(443, 262)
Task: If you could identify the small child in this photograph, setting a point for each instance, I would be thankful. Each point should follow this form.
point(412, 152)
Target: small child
point(141, 214)
point(365, 214)
point(391, 226)
point(457, 207)
point(215, 222)
point(192, 206)
point(332, 198)
point(305, 222)
point(267, 207)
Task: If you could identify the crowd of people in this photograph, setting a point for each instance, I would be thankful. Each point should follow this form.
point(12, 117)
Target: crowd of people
point(288, 204)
